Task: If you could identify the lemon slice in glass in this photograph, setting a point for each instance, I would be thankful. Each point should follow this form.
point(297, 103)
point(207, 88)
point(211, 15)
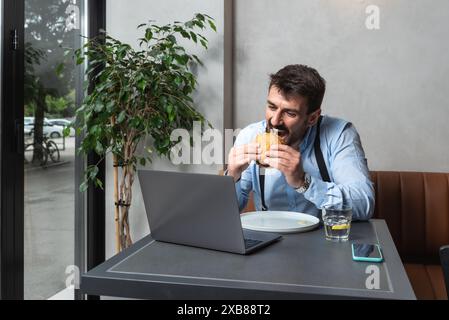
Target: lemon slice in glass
point(340, 226)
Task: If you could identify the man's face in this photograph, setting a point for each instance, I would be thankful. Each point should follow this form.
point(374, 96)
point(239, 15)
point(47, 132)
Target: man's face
point(289, 116)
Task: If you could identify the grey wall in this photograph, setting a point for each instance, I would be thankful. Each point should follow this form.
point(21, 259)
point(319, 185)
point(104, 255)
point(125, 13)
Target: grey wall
point(122, 19)
point(392, 83)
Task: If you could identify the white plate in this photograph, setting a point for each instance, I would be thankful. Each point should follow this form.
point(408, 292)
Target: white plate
point(279, 221)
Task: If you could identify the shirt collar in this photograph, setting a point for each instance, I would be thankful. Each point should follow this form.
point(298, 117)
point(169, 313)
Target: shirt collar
point(307, 140)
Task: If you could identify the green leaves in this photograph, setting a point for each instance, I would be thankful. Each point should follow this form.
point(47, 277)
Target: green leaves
point(110, 105)
point(190, 24)
point(59, 69)
point(98, 106)
point(141, 84)
point(84, 186)
point(122, 52)
point(183, 60)
point(148, 34)
point(66, 131)
point(185, 34)
point(79, 60)
point(197, 59)
point(212, 25)
point(139, 92)
point(99, 149)
point(90, 175)
point(199, 16)
point(92, 171)
point(193, 35)
point(121, 117)
point(171, 38)
point(171, 112)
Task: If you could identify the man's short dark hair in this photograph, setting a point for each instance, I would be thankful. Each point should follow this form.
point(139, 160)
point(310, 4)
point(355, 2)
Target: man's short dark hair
point(300, 80)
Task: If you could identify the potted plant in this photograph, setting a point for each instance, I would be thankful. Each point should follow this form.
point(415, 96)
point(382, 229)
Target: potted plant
point(137, 93)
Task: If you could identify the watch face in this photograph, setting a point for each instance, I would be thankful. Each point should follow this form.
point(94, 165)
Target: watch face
point(301, 190)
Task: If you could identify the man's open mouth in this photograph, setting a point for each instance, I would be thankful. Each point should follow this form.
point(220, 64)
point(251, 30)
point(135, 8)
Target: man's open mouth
point(282, 133)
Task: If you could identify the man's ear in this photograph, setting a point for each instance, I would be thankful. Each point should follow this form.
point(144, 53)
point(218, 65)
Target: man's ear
point(313, 117)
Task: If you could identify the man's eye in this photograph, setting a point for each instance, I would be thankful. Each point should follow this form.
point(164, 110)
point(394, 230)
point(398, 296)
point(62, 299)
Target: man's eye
point(271, 107)
point(291, 114)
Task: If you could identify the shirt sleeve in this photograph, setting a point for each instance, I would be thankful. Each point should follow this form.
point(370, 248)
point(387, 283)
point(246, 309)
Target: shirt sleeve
point(350, 176)
point(244, 185)
point(243, 188)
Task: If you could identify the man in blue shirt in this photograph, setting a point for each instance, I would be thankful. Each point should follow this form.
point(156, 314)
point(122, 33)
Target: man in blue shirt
point(310, 170)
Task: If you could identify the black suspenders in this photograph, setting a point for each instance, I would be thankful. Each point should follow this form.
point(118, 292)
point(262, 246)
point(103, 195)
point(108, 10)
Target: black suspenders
point(319, 155)
point(262, 188)
point(319, 159)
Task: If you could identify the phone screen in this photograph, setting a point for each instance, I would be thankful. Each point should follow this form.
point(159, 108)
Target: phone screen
point(366, 250)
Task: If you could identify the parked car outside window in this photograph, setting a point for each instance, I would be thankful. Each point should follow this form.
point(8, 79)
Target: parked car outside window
point(63, 123)
point(51, 130)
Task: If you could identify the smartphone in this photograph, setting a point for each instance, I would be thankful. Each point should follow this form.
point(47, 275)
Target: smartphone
point(366, 252)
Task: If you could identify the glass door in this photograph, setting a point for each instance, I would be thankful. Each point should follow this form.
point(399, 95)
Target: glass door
point(52, 91)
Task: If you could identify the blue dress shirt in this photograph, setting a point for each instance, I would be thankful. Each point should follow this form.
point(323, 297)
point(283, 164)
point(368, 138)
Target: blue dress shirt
point(345, 161)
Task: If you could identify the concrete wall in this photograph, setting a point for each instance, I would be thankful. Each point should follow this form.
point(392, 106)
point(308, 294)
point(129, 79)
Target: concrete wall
point(392, 83)
point(122, 20)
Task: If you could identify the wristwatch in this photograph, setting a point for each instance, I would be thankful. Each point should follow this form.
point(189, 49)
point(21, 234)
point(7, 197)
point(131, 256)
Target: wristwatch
point(305, 185)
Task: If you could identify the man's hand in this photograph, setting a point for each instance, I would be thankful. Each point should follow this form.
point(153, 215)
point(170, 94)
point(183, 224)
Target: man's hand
point(240, 157)
point(288, 161)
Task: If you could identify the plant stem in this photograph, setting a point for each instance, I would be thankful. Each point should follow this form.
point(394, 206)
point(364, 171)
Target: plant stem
point(116, 199)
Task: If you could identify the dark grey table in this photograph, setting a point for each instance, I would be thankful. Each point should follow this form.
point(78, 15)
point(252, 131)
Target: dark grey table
point(300, 266)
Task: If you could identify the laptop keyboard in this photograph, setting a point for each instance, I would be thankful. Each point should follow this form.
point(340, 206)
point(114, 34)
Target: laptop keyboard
point(251, 243)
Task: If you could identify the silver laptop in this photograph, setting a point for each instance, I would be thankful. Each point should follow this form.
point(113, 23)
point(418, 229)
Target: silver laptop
point(198, 210)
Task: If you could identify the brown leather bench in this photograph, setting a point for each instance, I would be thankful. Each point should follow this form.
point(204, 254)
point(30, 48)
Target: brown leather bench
point(415, 206)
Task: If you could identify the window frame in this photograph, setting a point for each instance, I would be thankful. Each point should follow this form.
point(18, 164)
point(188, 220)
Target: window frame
point(89, 207)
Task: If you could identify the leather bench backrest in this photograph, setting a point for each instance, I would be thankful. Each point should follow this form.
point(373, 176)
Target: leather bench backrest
point(415, 206)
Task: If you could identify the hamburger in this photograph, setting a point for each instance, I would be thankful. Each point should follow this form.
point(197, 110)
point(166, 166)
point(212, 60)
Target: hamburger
point(266, 140)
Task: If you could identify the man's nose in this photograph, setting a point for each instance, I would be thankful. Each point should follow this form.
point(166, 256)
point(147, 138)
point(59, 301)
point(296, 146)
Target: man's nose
point(276, 120)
